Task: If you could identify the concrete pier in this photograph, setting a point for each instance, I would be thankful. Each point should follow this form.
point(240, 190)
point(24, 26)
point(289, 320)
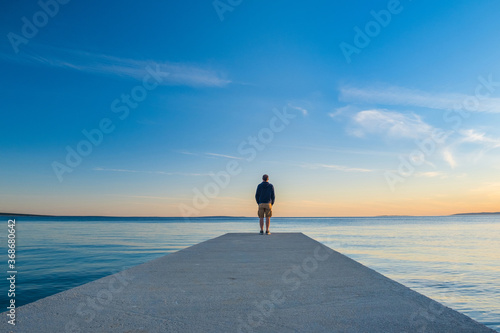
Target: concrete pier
point(240, 282)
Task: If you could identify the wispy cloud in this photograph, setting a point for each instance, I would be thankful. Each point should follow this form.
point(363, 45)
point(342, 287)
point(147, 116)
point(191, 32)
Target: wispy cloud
point(335, 113)
point(475, 137)
point(454, 151)
point(209, 155)
point(342, 150)
point(299, 108)
point(410, 97)
point(171, 73)
point(397, 125)
point(431, 174)
point(185, 152)
point(334, 167)
point(439, 174)
point(469, 145)
point(488, 187)
point(342, 110)
point(225, 156)
point(144, 197)
point(393, 124)
point(449, 158)
point(152, 172)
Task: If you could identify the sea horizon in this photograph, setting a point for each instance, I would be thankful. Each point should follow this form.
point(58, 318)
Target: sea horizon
point(240, 216)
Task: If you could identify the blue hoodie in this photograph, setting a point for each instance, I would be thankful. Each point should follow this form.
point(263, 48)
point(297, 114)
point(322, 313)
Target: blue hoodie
point(265, 193)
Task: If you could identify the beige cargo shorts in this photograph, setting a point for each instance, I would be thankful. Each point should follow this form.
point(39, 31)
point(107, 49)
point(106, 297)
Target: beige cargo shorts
point(265, 209)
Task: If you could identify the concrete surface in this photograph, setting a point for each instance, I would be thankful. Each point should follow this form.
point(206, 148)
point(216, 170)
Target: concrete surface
point(240, 282)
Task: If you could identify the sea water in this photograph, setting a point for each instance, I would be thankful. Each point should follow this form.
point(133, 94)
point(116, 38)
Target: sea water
point(454, 260)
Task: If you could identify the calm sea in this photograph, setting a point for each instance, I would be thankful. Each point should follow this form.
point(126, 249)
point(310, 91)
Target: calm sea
point(454, 260)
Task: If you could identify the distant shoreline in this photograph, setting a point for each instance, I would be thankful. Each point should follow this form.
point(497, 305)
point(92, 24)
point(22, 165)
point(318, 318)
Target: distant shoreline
point(18, 214)
point(483, 213)
point(101, 216)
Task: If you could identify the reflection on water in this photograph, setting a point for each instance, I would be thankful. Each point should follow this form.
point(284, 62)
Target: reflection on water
point(454, 260)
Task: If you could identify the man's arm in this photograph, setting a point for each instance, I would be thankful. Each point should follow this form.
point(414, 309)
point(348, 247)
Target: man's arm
point(272, 195)
point(257, 194)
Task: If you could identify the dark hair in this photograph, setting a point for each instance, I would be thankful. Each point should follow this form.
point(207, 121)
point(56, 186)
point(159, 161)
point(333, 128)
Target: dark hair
point(265, 178)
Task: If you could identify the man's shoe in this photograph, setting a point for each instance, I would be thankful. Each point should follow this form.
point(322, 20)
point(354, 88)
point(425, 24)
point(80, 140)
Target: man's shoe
point(261, 232)
point(268, 232)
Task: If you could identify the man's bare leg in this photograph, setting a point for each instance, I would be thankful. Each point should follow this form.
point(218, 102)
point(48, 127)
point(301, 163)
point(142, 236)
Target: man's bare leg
point(268, 223)
point(261, 224)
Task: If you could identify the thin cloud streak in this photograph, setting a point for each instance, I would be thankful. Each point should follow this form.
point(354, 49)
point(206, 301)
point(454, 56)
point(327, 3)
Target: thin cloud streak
point(342, 151)
point(472, 136)
point(185, 152)
point(225, 156)
point(449, 158)
point(182, 74)
point(439, 174)
point(335, 167)
point(342, 110)
point(301, 109)
point(488, 187)
point(153, 172)
point(209, 155)
point(409, 97)
point(431, 174)
point(143, 197)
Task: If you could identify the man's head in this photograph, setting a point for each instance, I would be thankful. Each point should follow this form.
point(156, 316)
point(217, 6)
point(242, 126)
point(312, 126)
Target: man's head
point(265, 178)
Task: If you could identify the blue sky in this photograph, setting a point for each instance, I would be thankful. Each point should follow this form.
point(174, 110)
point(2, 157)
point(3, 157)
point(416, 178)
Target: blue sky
point(407, 124)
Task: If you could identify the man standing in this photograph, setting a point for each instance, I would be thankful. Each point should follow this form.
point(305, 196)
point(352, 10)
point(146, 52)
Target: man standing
point(265, 199)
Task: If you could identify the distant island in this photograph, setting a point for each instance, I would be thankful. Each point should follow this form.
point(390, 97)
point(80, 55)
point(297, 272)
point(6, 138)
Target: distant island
point(18, 214)
point(483, 213)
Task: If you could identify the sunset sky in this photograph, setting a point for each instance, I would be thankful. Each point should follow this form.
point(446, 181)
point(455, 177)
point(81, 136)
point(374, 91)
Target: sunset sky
point(177, 108)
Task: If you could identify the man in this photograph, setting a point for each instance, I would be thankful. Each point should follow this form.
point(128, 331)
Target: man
point(265, 199)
